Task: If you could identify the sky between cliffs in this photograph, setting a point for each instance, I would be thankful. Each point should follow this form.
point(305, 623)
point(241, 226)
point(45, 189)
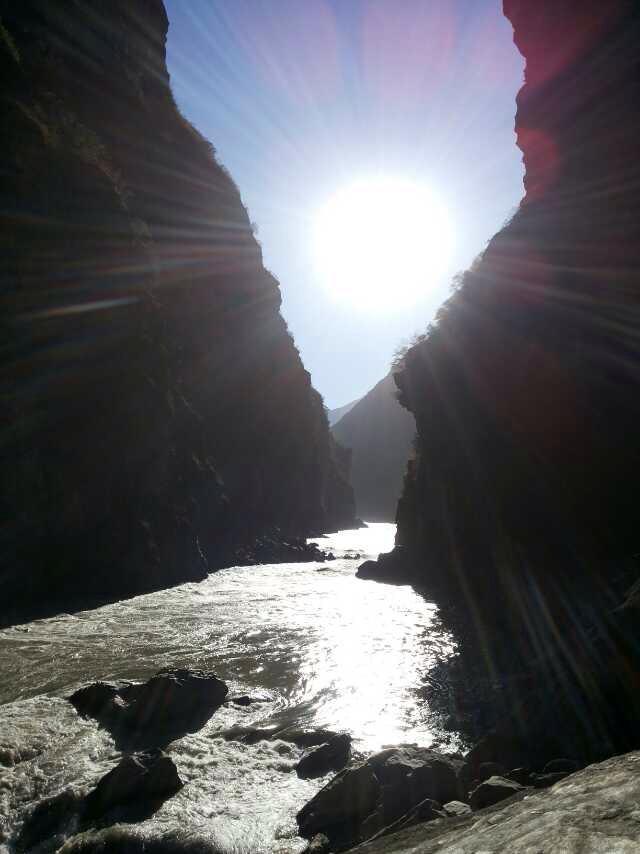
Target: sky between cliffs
point(304, 97)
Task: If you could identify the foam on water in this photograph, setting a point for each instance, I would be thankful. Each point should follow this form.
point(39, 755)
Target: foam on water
point(315, 648)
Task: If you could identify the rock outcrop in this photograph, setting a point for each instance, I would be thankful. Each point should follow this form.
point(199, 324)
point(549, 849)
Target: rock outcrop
point(153, 713)
point(330, 756)
point(521, 506)
point(378, 432)
point(158, 414)
point(593, 810)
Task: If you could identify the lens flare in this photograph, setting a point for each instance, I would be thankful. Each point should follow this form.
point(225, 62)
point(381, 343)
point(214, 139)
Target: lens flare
point(382, 243)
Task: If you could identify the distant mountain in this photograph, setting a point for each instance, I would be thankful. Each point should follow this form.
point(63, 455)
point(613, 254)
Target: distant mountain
point(334, 415)
point(379, 432)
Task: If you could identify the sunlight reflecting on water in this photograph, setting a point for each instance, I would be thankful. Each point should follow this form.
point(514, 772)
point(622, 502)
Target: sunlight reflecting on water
point(314, 645)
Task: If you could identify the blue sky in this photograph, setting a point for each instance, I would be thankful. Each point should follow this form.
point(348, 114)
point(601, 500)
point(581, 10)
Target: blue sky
point(301, 97)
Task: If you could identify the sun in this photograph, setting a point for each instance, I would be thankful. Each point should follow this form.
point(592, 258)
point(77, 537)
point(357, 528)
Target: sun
point(381, 243)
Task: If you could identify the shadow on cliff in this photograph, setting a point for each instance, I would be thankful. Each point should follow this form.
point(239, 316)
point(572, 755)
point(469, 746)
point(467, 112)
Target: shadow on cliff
point(158, 416)
point(520, 510)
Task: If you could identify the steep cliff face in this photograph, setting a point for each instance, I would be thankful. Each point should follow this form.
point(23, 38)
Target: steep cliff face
point(525, 391)
point(158, 413)
point(379, 433)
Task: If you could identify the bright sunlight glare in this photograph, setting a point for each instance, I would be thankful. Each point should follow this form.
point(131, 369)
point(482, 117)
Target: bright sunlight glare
point(382, 243)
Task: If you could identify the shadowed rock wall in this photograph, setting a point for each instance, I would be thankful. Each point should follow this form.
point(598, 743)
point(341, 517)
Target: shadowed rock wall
point(525, 390)
point(158, 415)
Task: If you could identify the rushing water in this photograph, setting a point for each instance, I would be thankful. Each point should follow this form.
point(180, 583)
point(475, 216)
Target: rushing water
point(314, 645)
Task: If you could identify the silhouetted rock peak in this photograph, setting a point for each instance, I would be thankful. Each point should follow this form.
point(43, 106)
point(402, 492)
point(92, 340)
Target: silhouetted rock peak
point(161, 418)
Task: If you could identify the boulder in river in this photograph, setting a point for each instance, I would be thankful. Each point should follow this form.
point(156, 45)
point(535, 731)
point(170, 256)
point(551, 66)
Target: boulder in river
point(100, 700)
point(387, 789)
point(331, 756)
point(50, 820)
point(392, 567)
point(142, 780)
point(171, 704)
point(341, 806)
point(242, 700)
point(133, 790)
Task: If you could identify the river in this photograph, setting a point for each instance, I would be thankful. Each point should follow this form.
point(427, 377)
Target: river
point(314, 645)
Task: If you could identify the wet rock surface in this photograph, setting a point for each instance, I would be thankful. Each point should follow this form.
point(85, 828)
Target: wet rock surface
point(151, 714)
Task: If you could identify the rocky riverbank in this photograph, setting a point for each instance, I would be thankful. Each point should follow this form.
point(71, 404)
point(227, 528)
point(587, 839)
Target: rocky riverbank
point(391, 801)
point(594, 810)
point(405, 786)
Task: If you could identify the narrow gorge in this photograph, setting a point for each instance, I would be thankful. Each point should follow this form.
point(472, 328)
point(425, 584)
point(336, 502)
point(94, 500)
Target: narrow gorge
point(203, 650)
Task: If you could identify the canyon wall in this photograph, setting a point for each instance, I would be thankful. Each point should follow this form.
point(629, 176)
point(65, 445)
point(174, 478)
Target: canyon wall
point(158, 416)
point(521, 506)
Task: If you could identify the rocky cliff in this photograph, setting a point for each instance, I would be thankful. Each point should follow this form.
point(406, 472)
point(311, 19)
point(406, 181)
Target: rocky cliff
point(521, 507)
point(157, 414)
point(379, 433)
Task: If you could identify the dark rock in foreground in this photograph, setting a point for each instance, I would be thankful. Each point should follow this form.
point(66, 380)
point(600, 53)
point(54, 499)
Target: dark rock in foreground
point(171, 704)
point(492, 791)
point(398, 785)
point(593, 810)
